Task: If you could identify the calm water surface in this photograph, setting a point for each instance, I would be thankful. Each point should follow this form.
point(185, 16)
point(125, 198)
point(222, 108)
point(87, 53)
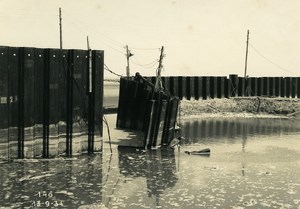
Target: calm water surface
point(254, 163)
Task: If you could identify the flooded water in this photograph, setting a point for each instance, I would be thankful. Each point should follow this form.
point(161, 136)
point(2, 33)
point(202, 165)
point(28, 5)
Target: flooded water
point(111, 94)
point(254, 163)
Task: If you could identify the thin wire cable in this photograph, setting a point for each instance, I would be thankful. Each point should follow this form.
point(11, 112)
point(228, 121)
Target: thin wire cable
point(82, 31)
point(145, 49)
point(148, 66)
point(78, 21)
point(270, 61)
point(107, 68)
point(28, 15)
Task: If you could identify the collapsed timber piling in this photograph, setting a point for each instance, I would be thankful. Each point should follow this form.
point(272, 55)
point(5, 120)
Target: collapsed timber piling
point(141, 107)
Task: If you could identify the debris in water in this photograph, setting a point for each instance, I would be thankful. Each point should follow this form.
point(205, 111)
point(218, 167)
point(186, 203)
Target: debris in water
point(200, 152)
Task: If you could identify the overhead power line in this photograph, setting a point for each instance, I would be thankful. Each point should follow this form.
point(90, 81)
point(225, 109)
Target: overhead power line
point(149, 49)
point(107, 68)
point(270, 61)
point(147, 65)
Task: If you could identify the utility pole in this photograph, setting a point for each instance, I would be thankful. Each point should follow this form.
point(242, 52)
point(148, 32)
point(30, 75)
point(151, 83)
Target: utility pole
point(245, 75)
point(128, 55)
point(90, 64)
point(158, 83)
point(60, 29)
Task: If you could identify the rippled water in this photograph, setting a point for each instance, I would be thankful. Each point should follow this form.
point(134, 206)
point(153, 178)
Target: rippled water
point(254, 163)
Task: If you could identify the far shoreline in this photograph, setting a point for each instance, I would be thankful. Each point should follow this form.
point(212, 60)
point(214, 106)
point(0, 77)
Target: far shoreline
point(240, 107)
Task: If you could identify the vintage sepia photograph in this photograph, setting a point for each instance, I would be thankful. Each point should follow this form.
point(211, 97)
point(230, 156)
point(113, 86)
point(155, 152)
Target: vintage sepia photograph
point(161, 104)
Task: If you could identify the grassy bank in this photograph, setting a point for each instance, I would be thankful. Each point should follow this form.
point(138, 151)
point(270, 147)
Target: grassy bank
point(241, 107)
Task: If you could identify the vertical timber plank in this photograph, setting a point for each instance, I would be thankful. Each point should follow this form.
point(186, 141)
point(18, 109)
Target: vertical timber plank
point(285, 87)
point(84, 102)
point(62, 100)
point(282, 88)
point(123, 102)
point(184, 87)
point(28, 108)
point(204, 87)
point(234, 85)
point(13, 56)
point(196, 87)
point(200, 88)
point(98, 68)
point(277, 87)
point(39, 61)
point(192, 88)
point(175, 86)
point(53, 101)
point(290, 86)
point(150, 125)
point(209, 87)
point(272, 87)
point(160, 123)
point(180, 87)
point(298, 87)
point(294, 84)
point(4, 105)
point(188, 88)
point(227, 88)
point(78, 98)
point(215, 87)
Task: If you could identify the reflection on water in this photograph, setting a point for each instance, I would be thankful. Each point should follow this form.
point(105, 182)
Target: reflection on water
point(111, 95)
point(156, 166)
point(232, 129)
point(60, 183)
point(263, 174)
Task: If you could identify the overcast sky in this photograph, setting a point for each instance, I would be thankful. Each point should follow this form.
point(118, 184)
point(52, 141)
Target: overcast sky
point(201, 37)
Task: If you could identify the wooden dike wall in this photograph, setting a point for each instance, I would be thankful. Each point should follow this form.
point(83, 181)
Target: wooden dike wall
point(144, 109)
point(50, 102)
point(210, 87)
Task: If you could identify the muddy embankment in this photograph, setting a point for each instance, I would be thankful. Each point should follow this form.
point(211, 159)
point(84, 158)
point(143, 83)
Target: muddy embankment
point(241, 107)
